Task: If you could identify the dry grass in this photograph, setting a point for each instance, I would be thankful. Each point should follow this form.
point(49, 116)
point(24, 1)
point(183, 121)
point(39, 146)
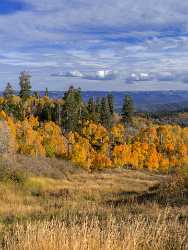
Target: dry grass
point(108, 210)
point(15, 202)
point(134, 234)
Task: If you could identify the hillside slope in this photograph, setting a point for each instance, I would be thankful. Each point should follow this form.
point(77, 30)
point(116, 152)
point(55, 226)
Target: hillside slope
point(56, 205)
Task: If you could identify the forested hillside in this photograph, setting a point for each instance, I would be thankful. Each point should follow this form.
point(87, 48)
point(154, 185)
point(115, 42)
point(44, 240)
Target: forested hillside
point(90, 134)
point(78, 175)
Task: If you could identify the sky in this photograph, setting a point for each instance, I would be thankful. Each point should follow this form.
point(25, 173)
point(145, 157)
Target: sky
point(114, 45)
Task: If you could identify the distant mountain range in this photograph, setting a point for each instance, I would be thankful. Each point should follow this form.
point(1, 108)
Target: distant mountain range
point(148, 101)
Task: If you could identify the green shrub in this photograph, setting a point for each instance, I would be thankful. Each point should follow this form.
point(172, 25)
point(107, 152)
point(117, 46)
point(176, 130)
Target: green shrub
point(12, 175)
point(50, 151)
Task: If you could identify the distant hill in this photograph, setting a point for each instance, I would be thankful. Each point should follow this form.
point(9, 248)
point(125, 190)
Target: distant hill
point(151, 101)
point(148, 101)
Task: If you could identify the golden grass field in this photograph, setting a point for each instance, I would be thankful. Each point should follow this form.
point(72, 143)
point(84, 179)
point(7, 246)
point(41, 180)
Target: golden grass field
point(59, 206)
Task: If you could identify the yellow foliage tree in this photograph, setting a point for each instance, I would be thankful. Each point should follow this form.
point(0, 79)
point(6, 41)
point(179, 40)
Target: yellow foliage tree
point(153, 147)
point(97, 136)
point(118, 134)
point(29, 140)
point(53, 140)
point(101, 160)
point(82, 153)
point(121, 155)
point(152, 158)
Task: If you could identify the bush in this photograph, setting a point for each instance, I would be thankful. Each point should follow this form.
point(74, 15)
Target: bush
point(174, 190)
point(50, 151)
point(8, 173)
point(17, 177)
point(183, 172)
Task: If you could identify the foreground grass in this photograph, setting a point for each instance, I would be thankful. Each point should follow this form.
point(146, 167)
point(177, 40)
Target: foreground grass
point(112, 209)
point(139, 233)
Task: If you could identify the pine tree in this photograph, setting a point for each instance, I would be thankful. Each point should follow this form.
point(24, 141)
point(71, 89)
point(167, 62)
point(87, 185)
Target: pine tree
point(110, 99)
point(25, 85)
point(105, 114)
point(36, 94)
point(72, 110)
point(127, 109)
point(91, 107)
point(46, 92)
point(46, 114)
point(8, 92)
point(98, 109)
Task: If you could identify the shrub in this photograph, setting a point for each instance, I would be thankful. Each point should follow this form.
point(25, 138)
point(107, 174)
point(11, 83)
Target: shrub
point(175, 189)
point(8, 173)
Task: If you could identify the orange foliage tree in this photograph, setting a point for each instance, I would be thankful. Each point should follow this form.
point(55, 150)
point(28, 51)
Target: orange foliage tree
point(154, 147)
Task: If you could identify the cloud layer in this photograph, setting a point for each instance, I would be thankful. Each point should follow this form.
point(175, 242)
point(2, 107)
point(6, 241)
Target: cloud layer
point(102, 75)
point(101, 44)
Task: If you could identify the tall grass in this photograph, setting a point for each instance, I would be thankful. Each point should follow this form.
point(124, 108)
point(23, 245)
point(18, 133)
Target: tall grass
point(136, 233)
point(60, 216)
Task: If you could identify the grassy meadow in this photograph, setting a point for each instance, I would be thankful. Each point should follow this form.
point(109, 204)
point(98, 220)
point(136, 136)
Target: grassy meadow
point(49, 204)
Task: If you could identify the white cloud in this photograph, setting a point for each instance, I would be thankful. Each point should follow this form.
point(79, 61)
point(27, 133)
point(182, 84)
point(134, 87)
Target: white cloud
point(98, 75)
point(147, 38)
point(139, 77)
point(75, 73)
point(166, 76)
point(101, 75)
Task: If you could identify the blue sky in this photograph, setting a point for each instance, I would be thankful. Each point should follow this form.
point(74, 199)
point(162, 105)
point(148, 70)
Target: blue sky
point(97, 45)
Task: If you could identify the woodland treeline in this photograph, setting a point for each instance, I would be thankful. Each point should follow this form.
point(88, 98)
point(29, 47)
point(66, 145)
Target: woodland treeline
point(90, 134)
point(70, 112)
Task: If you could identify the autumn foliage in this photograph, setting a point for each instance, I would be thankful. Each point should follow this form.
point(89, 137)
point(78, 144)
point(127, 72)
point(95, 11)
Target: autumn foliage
point(88, 133)
point(157, 148)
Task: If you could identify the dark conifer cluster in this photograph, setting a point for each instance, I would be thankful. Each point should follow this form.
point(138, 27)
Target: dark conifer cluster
point(70, 112)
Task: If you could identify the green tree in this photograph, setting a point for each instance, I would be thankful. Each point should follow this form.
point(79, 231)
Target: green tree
point(36, 94)
point(127, 109)
point(110, 99)
point(25, 85)
point(72, 110)
point(46, 92)
point(91, 107)
point(98, 105)
point(105, 114)
point(9, 107)
point(46, 113)
point(9, 91)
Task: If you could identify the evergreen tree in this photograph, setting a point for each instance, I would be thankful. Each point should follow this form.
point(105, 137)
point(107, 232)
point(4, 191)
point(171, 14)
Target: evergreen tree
point(46, 113)
point(127, 109)
point(36, 94)
point(98, 105)
point(110, 99)
point(91, 107)
point(8, 92)
point(84, 116)
point(72, 110)
point(25, 85)
point(9, 107)
point(46, 92)
point(105, 114)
